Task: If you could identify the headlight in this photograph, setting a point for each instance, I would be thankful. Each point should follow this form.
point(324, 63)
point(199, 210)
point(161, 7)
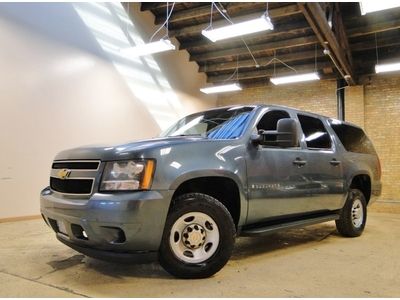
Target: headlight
point(127, 175)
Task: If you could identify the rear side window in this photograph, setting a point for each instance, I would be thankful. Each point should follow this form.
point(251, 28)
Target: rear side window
point(315, 133)
point(353, 139)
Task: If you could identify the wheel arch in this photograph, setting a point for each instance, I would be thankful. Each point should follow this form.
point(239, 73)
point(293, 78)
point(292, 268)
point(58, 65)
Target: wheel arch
point(224, 187)
point(362, 181)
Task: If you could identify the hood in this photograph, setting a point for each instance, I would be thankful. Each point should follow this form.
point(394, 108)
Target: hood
point(125, 151)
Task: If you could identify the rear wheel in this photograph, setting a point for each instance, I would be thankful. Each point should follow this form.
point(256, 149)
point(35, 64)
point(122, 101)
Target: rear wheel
point(198, 237)
point(354, 215)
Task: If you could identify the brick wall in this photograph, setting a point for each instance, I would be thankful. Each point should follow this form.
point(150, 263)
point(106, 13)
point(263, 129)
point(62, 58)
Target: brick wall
point(382, 123)
point(301, 96)
point(375, 106)
point(354, 105)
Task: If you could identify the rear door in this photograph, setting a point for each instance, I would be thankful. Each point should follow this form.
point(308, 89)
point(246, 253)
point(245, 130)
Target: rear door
point(323, 169)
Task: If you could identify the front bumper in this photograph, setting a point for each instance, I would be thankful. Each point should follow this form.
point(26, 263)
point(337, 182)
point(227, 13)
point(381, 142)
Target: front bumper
point(116, 226)
point(111, 256)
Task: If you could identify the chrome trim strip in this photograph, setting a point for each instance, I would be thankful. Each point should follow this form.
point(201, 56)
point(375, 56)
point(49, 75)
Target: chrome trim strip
point(75, 174)
point(79, 178)
point(78, 161)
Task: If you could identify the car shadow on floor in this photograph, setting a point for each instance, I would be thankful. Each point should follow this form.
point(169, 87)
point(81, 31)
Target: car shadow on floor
point(245, 247)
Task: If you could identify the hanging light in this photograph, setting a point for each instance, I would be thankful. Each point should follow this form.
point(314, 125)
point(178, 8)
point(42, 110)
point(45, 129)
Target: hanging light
point(162, 45)
point(225, 87)
point(383, 68)
point(252, 26)
point(221, 88)
point(150, 48)
point(369, 6)
point(295, 78)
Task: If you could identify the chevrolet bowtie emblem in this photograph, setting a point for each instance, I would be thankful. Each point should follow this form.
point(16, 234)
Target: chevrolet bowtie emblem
point(63, 173)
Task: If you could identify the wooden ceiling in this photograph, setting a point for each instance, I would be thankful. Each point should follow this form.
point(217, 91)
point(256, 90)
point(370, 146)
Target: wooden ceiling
point(301, 33)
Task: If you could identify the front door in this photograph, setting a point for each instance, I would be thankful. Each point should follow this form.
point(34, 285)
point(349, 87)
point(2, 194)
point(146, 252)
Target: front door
point(277, 184)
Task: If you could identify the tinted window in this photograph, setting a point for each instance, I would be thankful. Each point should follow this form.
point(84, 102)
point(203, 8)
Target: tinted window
point(315, 133)
point(353, 138)
point(270, 119)
point(269, 122)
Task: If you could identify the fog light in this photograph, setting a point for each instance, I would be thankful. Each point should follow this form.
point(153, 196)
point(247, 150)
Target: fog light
point(113, 235)
point(78, 232)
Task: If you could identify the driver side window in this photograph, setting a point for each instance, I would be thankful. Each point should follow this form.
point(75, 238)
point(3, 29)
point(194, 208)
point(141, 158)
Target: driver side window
point(269, 122)
point(270, 119)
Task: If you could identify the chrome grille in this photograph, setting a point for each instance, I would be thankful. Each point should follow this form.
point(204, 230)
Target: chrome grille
point(74, 177)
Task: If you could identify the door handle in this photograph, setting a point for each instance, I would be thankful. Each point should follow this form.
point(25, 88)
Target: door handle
point(299, 162)
point(335, 162)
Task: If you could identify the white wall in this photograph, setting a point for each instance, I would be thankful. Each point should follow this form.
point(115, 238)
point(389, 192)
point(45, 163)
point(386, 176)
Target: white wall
point(64, 83)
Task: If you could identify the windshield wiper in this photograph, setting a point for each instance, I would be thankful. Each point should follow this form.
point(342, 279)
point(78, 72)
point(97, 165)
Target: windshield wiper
point(194, 134)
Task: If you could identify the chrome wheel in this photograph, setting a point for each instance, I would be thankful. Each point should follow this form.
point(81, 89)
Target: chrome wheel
point(194, 237)
point(357, 213)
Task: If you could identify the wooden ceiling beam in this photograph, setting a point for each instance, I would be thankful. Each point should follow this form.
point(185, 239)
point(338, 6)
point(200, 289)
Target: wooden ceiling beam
point(368, 45)
point(247, 78)
point(317, 20)
point(186, 14)
point(374, 28)
point(248, 63)
point(340, 33)
point(196, 29)
point(233, 52)
point(281, 71)
point(262, 82)
point(152, 5)
point(233, 8)
point(285, 28)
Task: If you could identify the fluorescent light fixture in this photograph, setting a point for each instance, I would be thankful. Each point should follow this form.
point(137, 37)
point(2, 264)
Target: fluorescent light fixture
point(150, 48)
point(294, 78)
point(368, 6)
point(221, 88)
point(242, 28)
point(387, 68)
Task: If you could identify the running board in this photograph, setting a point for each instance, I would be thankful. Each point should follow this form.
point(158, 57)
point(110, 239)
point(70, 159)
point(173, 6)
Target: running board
point(264, 230)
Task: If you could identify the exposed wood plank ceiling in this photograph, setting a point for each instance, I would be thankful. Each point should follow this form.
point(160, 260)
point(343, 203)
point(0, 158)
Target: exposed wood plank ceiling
point(300, 28)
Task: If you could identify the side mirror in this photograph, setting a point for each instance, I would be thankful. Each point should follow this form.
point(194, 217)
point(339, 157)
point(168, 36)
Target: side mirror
point(284, 136)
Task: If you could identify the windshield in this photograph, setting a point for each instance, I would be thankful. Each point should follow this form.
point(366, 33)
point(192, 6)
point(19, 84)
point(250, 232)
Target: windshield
point(224, 123)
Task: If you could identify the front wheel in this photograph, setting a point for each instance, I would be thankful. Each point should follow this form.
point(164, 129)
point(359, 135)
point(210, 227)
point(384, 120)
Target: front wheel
point(354, 215)
point(198, 237)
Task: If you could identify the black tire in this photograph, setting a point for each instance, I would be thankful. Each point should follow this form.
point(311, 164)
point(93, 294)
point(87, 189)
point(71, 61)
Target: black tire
point(347, 225)
point(200, 204)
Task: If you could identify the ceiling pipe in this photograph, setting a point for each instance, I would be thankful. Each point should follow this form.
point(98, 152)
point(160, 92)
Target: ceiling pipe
point(328, 52)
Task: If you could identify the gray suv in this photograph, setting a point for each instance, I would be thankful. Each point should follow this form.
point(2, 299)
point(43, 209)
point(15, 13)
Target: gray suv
point(184, 197)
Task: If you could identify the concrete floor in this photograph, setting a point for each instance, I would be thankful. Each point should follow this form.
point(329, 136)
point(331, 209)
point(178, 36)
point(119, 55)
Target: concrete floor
point(310, 262)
